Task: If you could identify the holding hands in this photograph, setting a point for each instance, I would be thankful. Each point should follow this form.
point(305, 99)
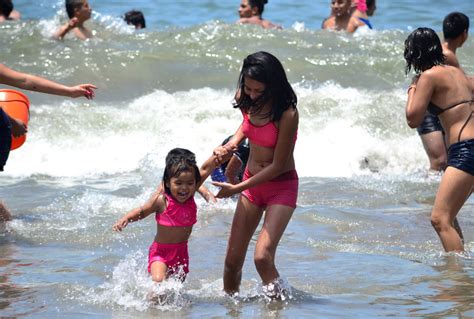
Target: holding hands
point(222, 154)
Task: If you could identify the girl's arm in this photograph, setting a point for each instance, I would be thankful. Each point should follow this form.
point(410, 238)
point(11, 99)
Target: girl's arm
point(155, 204)
point(39, 84)
point(283, 153)
point(419, 96)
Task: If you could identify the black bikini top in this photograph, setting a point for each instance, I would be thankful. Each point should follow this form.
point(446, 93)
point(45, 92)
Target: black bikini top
point(436, 110)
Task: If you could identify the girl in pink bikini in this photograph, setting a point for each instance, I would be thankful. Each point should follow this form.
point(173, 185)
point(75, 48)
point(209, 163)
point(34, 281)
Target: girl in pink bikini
point(175, 214)
point(270, 183)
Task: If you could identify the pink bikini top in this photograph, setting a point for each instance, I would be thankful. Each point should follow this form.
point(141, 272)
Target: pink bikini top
point(264, 135)
point(178, 214)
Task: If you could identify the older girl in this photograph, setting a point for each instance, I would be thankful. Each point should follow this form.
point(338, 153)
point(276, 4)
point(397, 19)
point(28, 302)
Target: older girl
point(270, 183)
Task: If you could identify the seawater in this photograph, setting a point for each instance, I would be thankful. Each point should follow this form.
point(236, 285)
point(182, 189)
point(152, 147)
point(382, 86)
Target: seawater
point(359, 244)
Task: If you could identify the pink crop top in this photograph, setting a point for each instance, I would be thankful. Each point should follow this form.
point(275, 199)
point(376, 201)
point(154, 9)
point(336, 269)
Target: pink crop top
point(178, 214)
point(264, 135)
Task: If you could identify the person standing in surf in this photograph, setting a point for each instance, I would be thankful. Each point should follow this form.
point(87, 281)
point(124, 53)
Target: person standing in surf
point(445, 91)
point(176, 213)
point(455, 32)
point(270, 183)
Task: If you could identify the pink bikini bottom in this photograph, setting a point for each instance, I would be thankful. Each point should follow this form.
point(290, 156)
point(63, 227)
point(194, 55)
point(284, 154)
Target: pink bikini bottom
point(282, 190)
point(174, 256)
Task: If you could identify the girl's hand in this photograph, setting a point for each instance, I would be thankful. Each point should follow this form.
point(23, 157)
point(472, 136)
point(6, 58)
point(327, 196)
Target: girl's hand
point(120, 224)
point(86, 90)
point(226, 189)
point(222, 154)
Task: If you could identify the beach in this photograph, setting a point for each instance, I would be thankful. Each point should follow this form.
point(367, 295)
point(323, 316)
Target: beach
point(360, 243)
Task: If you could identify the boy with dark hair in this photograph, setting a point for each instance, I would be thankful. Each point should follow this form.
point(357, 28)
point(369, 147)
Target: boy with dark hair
point(78, 11)
point(455, 32)
point(136, 18)
point(7, 11)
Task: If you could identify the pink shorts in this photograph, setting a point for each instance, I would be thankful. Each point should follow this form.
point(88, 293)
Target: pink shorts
point(173, 256)
point(282, 190)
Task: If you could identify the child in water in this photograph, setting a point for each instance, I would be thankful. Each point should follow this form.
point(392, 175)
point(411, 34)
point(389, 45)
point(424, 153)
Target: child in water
point(78, 12)
point(175, 214)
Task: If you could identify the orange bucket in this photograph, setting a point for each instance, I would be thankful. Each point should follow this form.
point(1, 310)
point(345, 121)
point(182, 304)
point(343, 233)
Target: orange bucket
point(16, 105)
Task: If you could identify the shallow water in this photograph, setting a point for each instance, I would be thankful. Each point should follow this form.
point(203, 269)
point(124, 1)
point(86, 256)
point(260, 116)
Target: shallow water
point(360, 243)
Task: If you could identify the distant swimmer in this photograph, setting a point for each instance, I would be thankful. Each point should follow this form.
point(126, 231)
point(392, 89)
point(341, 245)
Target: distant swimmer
point(455, 32)
point(175, 213)
point(250, 12)
point(135, 18)
point(7, 11)
point(341, 18)
point(444, 91)
point(78, 11)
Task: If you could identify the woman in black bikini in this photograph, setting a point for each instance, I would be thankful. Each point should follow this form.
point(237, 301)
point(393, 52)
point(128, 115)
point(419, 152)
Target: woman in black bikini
point(445, 91)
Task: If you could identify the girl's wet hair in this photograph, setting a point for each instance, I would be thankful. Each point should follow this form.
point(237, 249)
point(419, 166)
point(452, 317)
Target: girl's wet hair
point(180, 160)
point(260, 4)
point(423, 50)
point(267, 69)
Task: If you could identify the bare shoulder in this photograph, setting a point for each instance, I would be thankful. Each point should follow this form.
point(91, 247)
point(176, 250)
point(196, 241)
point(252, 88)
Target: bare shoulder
point(451, 58)
point(329, 23)
point(291, 114)
point(158, 202)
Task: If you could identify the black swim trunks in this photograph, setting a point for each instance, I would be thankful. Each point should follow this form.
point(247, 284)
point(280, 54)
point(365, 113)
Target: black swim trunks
point(5, 138)
point(461, 156)
point(430, 124)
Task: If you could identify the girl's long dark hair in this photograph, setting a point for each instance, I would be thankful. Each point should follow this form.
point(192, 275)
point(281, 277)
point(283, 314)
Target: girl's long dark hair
point(267, 69)
point(180, 160)
point(423, 50)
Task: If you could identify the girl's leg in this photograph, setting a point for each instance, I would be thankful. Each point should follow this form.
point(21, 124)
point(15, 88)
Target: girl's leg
point(246, 219)
point(454, 189)
point(275, 222)
point(158, 271)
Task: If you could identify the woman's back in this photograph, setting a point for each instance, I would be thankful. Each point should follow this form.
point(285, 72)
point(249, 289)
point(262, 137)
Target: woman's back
point(452, 94)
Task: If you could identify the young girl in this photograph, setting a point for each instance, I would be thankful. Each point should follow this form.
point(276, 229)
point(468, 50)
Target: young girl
point(175, 214)
point(270, 182)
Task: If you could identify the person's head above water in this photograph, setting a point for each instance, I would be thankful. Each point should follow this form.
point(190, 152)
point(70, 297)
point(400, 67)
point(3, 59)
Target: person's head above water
point(136, 18)
point(341, 8)
point(423, 50)
point(6, 7)
point(250, 8)
point(78, 9)
point(263, 81)
point(454, 25)
point(179, 160)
